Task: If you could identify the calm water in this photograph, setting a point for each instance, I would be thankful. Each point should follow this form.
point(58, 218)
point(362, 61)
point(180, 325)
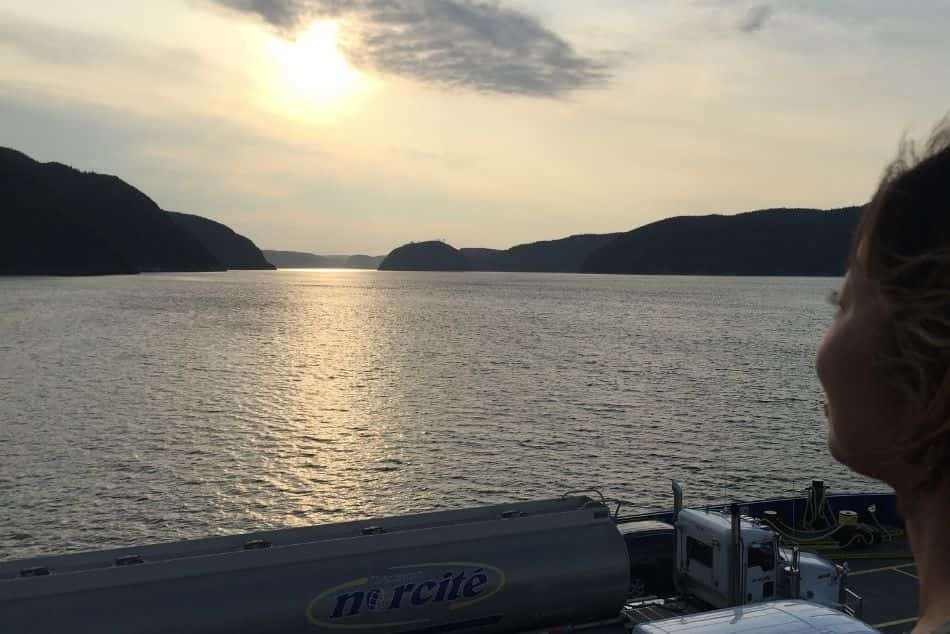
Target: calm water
point(158, 407)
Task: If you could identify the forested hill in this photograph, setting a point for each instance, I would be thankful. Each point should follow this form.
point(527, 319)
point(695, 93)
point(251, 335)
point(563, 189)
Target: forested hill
point(432, 255)
point(59, 220)
point(765, 242)
point(306, 260)
point(549, 256)
point(231, 249)
point(565, 255)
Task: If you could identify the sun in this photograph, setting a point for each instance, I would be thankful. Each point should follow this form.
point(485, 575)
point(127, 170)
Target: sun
point(313, 69)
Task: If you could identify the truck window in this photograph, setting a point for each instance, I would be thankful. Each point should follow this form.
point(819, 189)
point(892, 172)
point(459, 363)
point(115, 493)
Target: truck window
point(699, 552)
point(761, 555)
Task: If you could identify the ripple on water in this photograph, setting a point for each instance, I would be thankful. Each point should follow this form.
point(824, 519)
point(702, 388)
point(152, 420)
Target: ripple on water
point(160, 407)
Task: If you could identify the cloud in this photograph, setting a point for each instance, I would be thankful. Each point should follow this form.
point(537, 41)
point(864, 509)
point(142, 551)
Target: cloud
point(457, 43)
point(448, 160)
point(178, 157)
point(50, 44)
point(756, 18)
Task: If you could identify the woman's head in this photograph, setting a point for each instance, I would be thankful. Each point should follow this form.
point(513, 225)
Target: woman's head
point(885, 361)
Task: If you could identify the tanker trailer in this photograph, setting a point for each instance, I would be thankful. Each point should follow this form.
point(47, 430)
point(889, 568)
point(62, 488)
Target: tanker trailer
point(488, 570)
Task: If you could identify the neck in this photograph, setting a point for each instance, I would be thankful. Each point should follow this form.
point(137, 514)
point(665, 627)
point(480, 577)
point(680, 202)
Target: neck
point(927, 520)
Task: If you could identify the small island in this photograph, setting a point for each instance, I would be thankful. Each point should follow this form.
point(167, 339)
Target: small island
point(433, 255)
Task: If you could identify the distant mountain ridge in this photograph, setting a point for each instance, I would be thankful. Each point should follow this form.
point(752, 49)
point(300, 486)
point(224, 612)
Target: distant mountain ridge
point(547, 256)
point(796, 242)
point(764, 242)
point(58, 220)
point(304, 260)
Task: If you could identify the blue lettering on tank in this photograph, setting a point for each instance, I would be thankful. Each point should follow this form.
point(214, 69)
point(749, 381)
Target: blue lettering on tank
point(393, 598)
point(417, 598)
point(356, 602)
point(474, 584)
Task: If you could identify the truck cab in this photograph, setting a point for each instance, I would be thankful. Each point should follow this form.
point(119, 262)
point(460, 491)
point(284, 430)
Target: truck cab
point(728, 560)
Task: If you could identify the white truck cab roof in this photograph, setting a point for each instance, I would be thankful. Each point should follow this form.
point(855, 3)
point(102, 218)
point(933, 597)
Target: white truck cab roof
point(775, 617)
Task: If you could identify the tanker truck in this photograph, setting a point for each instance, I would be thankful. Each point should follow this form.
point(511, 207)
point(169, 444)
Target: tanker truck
point(558, 565)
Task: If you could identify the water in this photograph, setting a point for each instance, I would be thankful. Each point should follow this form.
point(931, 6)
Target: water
point(159, 407)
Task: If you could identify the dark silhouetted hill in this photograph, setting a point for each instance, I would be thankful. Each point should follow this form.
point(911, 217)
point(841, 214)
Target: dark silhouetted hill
point(485, 259)
point(303, 260)
point(556, 256)
point(231, 249)
point(425, 256)
point(551, 256)
point(364, 261)
point(295, 259)
point(766, 242)
point(38, 240)
point(115, 227)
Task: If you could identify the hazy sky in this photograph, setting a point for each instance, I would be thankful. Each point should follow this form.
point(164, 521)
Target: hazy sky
point(340, 126)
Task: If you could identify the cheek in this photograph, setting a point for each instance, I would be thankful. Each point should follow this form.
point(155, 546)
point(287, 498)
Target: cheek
point(822, 360)
point(835, 365)
point(841, 372)
point(858, 434)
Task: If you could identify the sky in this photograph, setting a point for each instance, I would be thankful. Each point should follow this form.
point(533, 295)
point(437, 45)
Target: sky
point(336, 126)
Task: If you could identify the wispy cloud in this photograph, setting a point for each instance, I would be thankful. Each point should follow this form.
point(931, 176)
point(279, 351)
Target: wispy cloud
point(756, 18)
point(448, 160)
point(458, 43)
point(50, 44)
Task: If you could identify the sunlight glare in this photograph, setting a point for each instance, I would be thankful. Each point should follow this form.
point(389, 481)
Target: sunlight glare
point(314, 68)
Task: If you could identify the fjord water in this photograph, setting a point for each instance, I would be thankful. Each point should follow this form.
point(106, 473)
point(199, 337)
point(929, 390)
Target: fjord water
point(159, 407)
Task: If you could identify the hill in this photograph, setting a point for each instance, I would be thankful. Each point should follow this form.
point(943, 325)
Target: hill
point(38, 240)
point(295, 259)
point(231, 249)
point(44, 204)
point(58, 220)
point(303, 260)
point(364, 261)
point(485, 259)
point(548, 256)
point(765, 242)
point(565, 255)
point(425, 256)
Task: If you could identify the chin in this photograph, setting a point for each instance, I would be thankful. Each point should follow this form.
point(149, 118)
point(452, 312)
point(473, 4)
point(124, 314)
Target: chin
point(836, 451)
point(849, 458)
point(858, 461)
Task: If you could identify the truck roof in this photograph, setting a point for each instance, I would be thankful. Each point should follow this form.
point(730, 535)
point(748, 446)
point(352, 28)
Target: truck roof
point(785, 617)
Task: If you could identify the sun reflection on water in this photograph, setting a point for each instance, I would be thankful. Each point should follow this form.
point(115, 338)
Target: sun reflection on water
point(162, 407)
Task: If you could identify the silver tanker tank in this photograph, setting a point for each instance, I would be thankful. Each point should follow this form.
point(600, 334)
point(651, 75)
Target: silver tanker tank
point(488, 570)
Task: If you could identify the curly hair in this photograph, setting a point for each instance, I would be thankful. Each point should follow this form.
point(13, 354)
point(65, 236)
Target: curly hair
point(902, 244)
